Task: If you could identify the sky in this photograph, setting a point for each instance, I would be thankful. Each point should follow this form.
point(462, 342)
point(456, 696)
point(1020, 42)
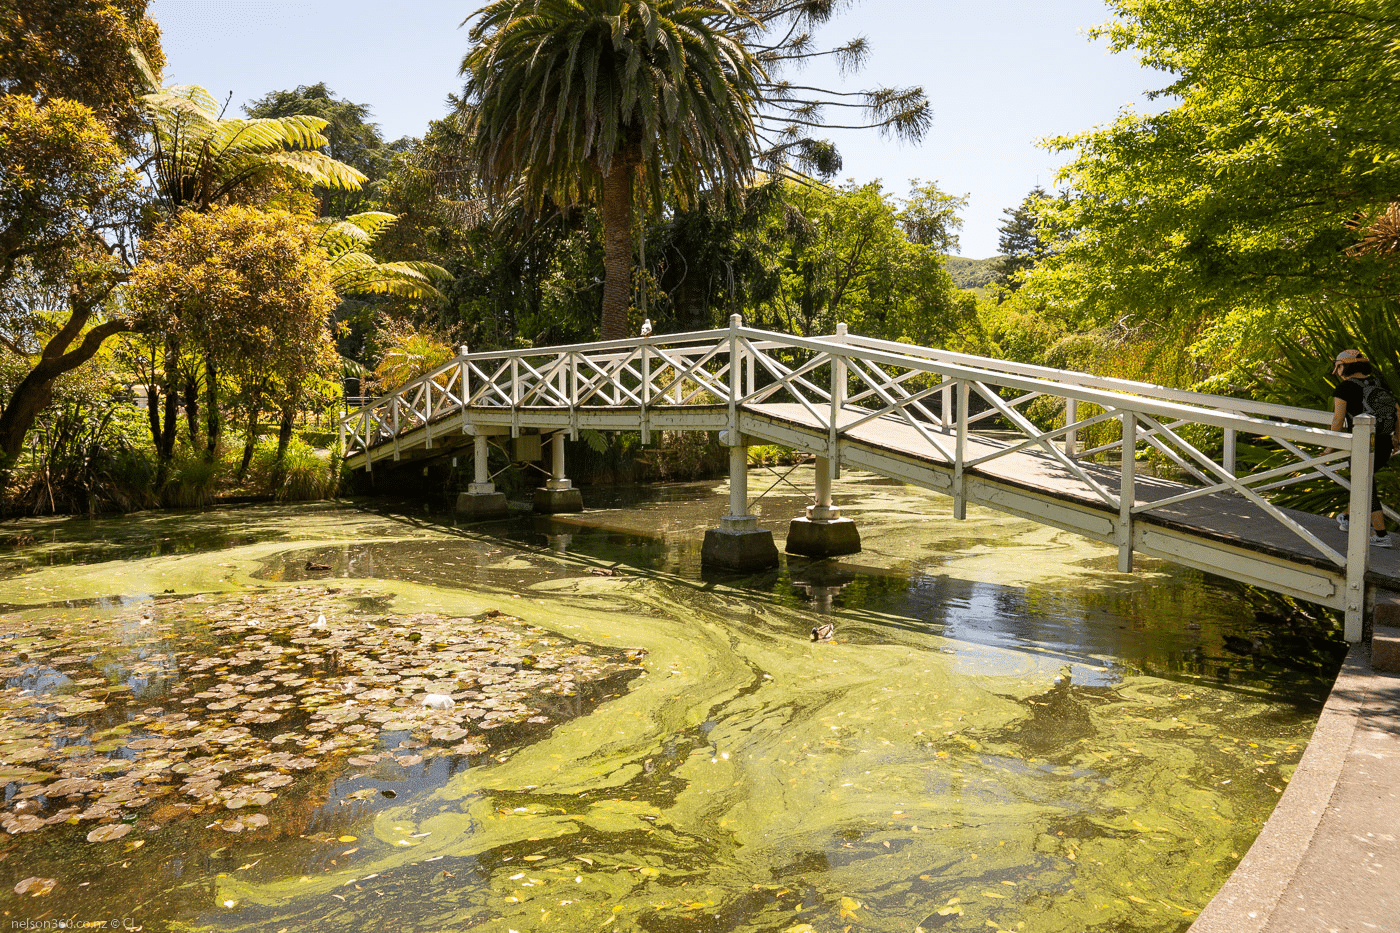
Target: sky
point(1000, 75)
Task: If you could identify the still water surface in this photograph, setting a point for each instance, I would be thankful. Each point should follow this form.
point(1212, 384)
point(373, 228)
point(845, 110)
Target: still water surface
point(1004, 733)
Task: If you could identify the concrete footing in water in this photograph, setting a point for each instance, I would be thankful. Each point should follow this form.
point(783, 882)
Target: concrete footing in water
point(552, 500)
point(739, 544)
point(822, 538)
point(481, 502)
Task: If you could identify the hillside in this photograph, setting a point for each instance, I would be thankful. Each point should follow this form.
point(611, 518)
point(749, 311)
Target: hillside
point(972, 273)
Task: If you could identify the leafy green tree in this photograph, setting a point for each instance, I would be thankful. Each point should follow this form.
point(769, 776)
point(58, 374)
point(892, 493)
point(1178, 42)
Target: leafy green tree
point(200, 161)
point(1253, 189)
point(716, 259)
point(592, 100)
point(853, 260)
point(103, 54)
point(71, 76)
point(351, 139)
point(246, 286)
point(1020, 244)
point(346, 244)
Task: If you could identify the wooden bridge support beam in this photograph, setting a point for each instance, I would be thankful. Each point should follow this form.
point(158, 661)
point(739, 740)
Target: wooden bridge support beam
point(481, 500)
point(738, 543)
point(823, 532)
point(558, 493)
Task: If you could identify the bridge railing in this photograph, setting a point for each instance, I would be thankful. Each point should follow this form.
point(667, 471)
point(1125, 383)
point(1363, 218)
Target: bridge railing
point(843, 382)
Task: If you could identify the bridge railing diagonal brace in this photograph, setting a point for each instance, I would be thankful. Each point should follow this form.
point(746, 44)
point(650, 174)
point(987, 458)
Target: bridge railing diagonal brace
point(1016, 402)
point(892, 391)
point(1024, 425)
point(789, 376)
point(899, 408)
point(690, 366)
point(784, 378)
point(1234, 483)
point(1329, 473)
point(1038, 440)
point(1252, 480)
point(490, 389)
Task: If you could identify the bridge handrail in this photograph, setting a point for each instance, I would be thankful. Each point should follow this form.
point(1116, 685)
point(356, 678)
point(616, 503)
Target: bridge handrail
point(1120, 400)
point(1269, 410)
point(1218, 411)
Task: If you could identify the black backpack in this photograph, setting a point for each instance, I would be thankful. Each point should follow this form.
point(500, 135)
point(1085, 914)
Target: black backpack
point(1376, 400)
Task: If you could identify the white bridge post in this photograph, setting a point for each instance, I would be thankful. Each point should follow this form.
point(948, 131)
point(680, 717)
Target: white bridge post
point(1127, 493)
point(739, 486)
point(960, 455)
point(1072, 435)
point(738, 543)
point(481, 500)
point(558, 493)
point(1359, 531)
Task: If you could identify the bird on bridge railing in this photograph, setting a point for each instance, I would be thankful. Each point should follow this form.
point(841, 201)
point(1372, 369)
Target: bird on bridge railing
point(646, 327)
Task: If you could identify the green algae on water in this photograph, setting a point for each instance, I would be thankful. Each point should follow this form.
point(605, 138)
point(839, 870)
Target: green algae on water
point(984, 744)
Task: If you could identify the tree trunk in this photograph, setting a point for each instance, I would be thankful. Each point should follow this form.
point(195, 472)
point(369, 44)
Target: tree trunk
point(252, 440)
point(153, 409)
point(35, 390)
point(211, 393)
point(284, 431)
point(165, 450)
point(192, 406)
point(617, 245)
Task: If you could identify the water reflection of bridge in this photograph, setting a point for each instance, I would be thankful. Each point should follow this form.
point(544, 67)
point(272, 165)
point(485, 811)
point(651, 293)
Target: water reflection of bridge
point(1039, 443)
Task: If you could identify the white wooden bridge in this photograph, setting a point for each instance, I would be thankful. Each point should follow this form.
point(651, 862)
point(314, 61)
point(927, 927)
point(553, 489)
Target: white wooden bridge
point(1039, 443)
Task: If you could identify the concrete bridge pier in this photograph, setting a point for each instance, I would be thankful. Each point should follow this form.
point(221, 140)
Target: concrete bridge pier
point(738, 543)
point(823, 532)
point(481, 500)
point(558, 493)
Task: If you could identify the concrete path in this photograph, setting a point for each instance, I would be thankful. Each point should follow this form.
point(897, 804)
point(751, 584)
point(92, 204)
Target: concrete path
point(1328, 860)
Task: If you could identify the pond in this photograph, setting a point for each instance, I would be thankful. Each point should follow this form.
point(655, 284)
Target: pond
point(346, 716)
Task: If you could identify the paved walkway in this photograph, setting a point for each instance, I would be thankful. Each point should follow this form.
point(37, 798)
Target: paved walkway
point(1328, 860)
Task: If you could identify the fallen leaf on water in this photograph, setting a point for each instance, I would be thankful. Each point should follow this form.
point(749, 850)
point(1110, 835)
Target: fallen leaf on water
point(108, 832)
point(35, 887)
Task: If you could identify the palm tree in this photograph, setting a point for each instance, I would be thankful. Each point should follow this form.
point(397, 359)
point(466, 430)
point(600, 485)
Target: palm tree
point(591, 100)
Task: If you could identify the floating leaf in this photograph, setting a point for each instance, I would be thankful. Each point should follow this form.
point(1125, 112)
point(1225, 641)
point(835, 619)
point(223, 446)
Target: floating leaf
point(35, 887)
point(109, 831)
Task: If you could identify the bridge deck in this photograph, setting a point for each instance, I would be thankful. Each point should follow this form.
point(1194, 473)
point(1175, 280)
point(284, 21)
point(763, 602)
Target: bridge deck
point(1231, 521)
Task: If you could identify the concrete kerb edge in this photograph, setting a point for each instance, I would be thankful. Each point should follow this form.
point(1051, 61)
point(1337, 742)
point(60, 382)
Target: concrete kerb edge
point(1248, 899)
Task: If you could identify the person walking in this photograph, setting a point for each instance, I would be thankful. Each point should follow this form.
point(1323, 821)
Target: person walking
point(1359, 391)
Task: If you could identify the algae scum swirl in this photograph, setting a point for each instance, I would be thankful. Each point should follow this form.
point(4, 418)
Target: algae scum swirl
point(348, 721)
